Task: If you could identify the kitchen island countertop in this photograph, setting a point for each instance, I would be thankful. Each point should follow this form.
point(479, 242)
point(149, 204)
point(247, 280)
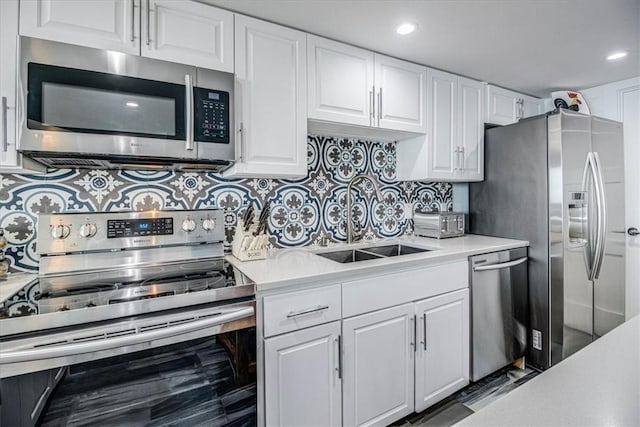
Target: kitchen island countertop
point(597, 386)
point(287, 267)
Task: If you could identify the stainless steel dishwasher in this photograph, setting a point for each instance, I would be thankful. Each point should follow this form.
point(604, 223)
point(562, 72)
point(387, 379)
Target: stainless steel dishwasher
point(499, 310)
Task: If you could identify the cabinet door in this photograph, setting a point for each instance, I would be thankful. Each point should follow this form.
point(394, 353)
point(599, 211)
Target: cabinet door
point(10, 160)
point(340, 82)
point(188, 32)
point(502, 106)
point(378, 366)
point(530, 106)
point(302, 382)
point(102, 24)
point(442, 124)
point(401, 98)
point(271, 99)
point(442, 359)
point(470, 129)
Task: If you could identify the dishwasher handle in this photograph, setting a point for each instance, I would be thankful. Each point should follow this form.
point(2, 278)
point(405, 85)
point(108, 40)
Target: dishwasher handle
point(500, 265)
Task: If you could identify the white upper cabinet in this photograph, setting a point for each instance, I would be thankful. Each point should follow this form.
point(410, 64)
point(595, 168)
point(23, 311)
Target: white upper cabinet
point(506, 106)
point(453, 149)
point(183, 31)
point(10, 159)
point(401, 95)
point(442, 93)
point(188, 32)
point(470, 129)
point(102, 24)
point(340, 82)
point(353, 86)
point(530, 106)
point(270, 99)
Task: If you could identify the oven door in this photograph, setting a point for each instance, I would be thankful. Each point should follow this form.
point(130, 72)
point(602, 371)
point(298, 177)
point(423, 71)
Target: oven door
point(95, 103)
point(191, 367)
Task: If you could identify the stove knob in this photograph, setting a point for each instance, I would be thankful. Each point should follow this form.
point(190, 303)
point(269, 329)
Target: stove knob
point(209, 224)
point(60, 232)
point(188, 225)
point(88, 230)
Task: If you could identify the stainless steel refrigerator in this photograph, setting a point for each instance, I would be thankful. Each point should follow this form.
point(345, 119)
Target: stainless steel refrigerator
point(557, 180)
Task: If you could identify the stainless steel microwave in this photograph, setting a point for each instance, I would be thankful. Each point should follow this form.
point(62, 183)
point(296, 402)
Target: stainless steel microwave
point(84, 107)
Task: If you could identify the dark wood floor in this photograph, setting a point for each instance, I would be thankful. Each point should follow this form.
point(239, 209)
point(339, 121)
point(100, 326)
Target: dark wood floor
point(470, 399)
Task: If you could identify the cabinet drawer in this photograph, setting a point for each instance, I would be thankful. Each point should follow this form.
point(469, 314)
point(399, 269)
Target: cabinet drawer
point(375, 293)
point(297, 310)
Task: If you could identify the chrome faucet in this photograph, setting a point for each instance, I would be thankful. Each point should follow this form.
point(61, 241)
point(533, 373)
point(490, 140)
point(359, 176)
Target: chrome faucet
point(354, 180)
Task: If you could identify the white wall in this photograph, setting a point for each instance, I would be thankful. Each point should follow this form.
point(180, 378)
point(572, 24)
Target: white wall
point(621, 101)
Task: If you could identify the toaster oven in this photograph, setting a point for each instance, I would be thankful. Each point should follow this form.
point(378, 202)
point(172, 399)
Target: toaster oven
point(438, 224)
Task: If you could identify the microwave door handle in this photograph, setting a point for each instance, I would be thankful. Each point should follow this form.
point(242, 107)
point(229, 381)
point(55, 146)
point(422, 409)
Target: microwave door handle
point(188, 112)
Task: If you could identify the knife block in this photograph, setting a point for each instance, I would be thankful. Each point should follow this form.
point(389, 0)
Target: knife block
point(242, 251)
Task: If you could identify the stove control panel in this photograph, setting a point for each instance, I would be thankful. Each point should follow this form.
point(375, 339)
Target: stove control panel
point(108, 231)
point(139, 227)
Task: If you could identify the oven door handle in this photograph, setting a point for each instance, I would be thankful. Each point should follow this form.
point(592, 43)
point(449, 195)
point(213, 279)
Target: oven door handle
point(137, 337)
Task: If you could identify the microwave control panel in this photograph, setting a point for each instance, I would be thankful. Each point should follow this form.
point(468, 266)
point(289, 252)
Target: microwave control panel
point(211, 119)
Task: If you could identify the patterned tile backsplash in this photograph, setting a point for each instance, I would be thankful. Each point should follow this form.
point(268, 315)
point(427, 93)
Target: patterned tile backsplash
point(303, 211)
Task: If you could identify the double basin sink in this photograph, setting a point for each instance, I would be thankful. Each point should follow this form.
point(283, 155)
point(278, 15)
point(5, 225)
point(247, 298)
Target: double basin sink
point(371, 252)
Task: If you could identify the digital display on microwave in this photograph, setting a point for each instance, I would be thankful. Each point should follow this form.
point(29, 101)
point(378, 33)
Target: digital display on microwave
point(215, 96)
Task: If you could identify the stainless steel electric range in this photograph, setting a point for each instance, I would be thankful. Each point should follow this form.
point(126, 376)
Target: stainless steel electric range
point(136, 319)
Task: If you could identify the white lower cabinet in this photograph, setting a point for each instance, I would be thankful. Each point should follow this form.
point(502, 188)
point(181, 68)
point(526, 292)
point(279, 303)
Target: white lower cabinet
point(366, 352)
point(442, 359)
point(378, 366)
point(302, 377)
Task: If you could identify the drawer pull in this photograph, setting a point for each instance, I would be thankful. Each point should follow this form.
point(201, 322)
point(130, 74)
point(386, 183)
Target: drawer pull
point(307, 311)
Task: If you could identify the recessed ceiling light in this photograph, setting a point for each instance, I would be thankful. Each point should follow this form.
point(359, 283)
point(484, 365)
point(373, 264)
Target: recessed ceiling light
point(616, 55)
point(131, 104)
point(406, 28)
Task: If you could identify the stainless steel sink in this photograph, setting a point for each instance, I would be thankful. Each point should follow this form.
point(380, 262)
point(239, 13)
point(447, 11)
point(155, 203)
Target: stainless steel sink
point(352, 255)
point(394, 250)
point(371, 252)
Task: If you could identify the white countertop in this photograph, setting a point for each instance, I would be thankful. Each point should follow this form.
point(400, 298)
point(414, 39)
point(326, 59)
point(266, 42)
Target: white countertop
point(597, 386)
point(286, 267)
point(13, 283)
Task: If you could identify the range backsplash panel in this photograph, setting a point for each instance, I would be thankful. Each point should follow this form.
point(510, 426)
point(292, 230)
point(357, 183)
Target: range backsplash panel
point(302, 211)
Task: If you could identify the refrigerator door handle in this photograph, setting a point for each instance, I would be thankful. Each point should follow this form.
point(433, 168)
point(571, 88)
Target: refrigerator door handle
point(601, 234)
point(589, 253)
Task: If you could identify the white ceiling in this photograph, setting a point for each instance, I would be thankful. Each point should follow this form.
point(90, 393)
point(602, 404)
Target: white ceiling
point(533, 46)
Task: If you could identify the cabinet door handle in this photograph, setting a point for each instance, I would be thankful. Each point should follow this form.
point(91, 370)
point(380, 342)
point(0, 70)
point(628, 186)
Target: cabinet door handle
point(5, 141)
point(424, 329)
point(371, 107)
point(379, 106)
point(456, 159)
point(133, 20)
point(339, 339)
point(462, 158)
point(415, 333)
point(307, 311)
point(149, 23)
point(242, 131)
